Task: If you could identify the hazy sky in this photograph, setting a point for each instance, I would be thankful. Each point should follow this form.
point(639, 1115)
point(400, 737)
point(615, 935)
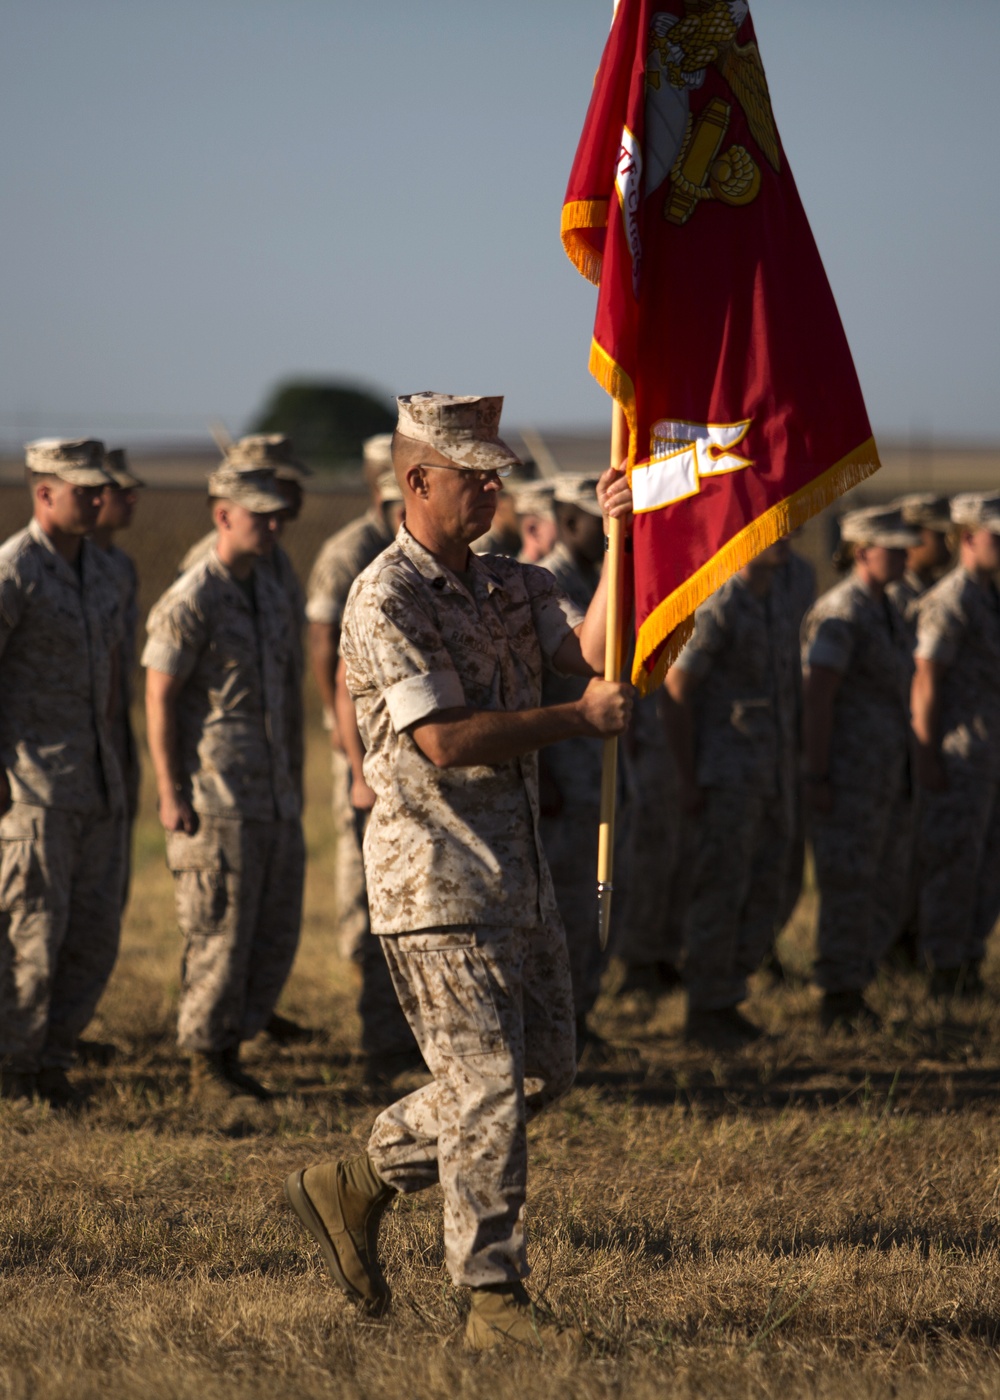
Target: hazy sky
point(201, 197)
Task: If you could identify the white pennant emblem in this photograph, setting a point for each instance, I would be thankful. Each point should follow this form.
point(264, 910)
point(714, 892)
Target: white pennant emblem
point(680, 455)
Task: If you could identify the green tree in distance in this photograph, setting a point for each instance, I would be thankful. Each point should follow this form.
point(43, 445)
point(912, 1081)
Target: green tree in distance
point(327, 420)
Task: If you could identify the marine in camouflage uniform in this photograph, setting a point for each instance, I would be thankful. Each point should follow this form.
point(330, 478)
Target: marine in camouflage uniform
point(117, 507)
point(793, 586)
point(62, 851)
point(536, 521)
point(856, 655)
point(570, 772)
point(274, 453)
point(218, 660)
point(444, 656)
point(733, 714)
point(956, 715)
point(386, 1039)
point(926, 561)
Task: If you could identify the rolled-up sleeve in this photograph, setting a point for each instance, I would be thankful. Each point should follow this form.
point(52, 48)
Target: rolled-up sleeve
point(554, 616)
point(391, 645)
point(831, 646)
point(176, 636)
point(938, 633)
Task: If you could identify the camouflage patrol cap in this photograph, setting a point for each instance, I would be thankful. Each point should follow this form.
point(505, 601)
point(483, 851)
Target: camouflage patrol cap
point(270, 452)
point(534, 498)
point(878, 525)
point(378, 451)
point(117, 467)
point(462, 427)
point(256, 491)
point(578, 489)
point(387, 486)
point(926, 511)
point(79, 461)
point(977, 510)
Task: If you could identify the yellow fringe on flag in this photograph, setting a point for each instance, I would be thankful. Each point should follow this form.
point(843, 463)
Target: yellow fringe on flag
point(670, 616)
point(613, 379)
point(581, 214)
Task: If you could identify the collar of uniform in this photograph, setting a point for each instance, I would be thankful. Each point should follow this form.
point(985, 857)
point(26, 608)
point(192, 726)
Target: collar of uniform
point(223, 571)
point(58, 562)
point(436, 574)
point(870, 594)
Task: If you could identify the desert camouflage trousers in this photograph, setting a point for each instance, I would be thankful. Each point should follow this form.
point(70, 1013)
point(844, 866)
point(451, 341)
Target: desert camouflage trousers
point(651, 930)
point(61, 877)
point(492, 1012)
point(863, 851)
point(349, 869)
point(738, 852)
point(238, 890)
point(959, 868)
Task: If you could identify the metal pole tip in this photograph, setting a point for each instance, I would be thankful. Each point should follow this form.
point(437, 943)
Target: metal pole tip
point(604, 892)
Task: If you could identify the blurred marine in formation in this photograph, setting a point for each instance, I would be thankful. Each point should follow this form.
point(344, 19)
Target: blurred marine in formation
point(733, 717)
point(118, 501)
point(445, 652)
point(62, 830)
point(536, 520)
point(928, 559)
point(857, 662)
point(218, 659)
point(570, 771)
point(956, 719)
point(386, 1039)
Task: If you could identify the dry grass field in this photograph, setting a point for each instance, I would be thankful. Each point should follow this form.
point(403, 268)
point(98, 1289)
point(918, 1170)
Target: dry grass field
point(810, 1217)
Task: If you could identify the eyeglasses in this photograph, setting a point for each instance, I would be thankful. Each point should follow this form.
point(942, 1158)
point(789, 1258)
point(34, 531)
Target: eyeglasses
point(479, 476)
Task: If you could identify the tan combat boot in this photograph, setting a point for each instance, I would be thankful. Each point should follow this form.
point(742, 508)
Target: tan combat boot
point(502, 1314)
point(341, 1204)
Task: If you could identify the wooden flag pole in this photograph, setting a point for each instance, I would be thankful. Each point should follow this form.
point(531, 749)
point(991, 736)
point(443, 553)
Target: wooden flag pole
point(612, 672)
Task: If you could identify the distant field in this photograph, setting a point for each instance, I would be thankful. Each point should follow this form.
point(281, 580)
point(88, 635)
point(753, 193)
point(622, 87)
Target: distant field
point(810, 1218)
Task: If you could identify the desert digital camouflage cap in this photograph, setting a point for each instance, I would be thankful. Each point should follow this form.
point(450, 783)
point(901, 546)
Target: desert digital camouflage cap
point(926, 511)
point(977, 510)
point(878, 525)
point(388, 487)
point(462, 427)
point(117, 467)
point(378, 451)
point(77, 460)
point(578, 489)
point(266, 452)
point(534, 498)
point(254, 490)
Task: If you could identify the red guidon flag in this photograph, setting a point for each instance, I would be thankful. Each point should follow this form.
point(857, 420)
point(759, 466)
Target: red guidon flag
point(716, 329)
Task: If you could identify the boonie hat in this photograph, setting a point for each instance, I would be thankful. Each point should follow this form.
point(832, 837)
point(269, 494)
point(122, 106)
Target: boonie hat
point(378, 451)
point(977, 510)
point(578, 489)
point(534, 498)
point(878, 525)
point(117, 467)
point(266, 452)
point(255, 491)
point(926, 511)
point(462, 427)
point(388, 487)
point(79, 461)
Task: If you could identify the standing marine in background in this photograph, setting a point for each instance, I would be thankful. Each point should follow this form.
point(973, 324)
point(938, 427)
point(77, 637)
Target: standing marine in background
point(218, 659)
point(386, 1040)
point(570, 771)
point(956, 719)
point(857, 663)
point(62, 802)
point(536, 521)
point(733, 719)
point(118, 502)
point(929, 558)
